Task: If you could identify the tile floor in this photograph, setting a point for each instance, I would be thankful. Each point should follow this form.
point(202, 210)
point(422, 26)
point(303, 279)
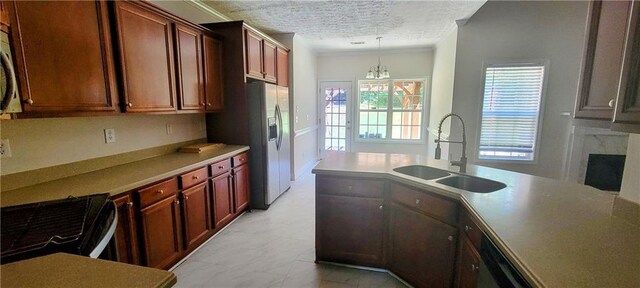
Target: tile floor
point(273, 248)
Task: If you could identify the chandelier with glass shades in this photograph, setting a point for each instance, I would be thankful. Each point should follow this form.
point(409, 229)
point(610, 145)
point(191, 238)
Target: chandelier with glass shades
point(378, 72)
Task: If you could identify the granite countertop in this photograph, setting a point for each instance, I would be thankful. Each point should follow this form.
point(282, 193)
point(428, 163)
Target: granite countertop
point(118, 179)
point(558, 234)
point(66, 270)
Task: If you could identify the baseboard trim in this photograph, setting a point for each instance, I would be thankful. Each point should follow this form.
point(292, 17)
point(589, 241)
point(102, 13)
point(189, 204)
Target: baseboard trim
point(306, 168)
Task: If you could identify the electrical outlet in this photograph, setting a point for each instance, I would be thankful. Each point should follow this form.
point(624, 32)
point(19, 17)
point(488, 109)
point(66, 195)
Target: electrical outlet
point(5, 149)
point(169, 129)
point(109, 135)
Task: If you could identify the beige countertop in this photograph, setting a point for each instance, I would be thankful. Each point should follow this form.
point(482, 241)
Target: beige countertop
point(558, 234)
point(118, 179)
point(66, 270)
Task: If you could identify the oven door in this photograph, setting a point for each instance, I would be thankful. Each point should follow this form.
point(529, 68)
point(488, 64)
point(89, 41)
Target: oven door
point(9, 101)
point(495, 268)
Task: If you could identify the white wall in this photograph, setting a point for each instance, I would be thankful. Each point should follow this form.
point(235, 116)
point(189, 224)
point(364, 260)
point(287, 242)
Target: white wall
point(353, 66)
point(630, 189)
point(444, 63)
point(45, 142)
point(523, 30)
point(303, 105)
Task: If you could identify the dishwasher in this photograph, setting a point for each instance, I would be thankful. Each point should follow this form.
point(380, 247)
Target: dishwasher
point(496, 270)
point(76, 225)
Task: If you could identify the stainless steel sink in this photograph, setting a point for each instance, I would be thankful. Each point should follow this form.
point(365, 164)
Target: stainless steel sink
point(472, 184)
point(424, 172)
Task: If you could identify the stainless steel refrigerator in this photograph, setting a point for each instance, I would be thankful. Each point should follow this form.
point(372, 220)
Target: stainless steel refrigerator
point(269, 156)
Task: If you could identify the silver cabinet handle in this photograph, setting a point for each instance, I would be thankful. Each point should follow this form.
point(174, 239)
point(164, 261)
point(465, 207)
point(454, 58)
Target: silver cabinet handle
point(417, 201)
point(129, 104)
point(195, 177)
point(177, 202)
point(160, 191)
point(203, 104)
point(467, 228)
point(130, 204)
point(208, 104)
point(474, 268)
point(186, 197)
point(612, 103)
point(450, 238)
point(29, 101)
point(380, 207)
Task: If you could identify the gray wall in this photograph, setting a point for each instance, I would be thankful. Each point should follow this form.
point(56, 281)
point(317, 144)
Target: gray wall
point(523, 30)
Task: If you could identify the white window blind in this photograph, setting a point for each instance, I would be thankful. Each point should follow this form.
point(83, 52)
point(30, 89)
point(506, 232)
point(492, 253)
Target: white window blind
point(511, 111)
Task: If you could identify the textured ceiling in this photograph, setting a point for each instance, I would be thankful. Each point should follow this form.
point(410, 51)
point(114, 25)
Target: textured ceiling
point(332, 25)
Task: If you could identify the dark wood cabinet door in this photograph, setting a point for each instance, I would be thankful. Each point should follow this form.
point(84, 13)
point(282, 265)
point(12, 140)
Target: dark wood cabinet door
point(468, 265)
point(126, 237)
point(422, 249)
point(213, 87)
point(197, 214)
point(63, 55)
point(146, 58)
point(253, 44)
point(189, 63)
point(627, 110)
point(350, 230)
point(282, 67)
point(222, 200)
point(241, 187)
point(602, 61)
point(269, 61)
point(161, 232)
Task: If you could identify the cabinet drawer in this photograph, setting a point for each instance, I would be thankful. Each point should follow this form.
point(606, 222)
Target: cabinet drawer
point(158, 191)
point(349, 187)
point(194, 177)
point(435, 206)
point(240, 159)
point(471, 229)
point(220, 167)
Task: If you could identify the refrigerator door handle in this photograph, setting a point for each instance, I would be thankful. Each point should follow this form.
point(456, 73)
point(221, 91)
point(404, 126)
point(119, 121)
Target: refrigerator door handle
point(279, 116)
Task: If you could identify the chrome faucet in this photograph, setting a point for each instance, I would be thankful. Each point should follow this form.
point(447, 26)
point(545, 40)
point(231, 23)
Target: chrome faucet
point(462, 163)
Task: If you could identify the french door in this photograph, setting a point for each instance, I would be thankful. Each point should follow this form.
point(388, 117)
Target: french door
point(335, 116)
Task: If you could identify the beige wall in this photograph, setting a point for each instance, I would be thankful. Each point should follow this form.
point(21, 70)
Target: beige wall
point(39, 143)
point(303, 104)
point(630, 189)
point(523, 30)
point(353, 66)
point(444, 63)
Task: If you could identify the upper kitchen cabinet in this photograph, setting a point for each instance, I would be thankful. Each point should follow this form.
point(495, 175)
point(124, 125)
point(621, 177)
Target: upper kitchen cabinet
point(146, 57)
point(213, 86)
point(63, 57)
point(602, 60)
point(282, 67)
point(243, 48)
point(626, 116)
point(189, 67)
point(269, 62)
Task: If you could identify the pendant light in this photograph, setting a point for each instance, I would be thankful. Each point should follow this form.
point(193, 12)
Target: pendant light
point(379, 71)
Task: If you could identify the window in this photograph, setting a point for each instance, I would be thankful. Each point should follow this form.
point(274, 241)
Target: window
point(390, 110)
point(511, 111)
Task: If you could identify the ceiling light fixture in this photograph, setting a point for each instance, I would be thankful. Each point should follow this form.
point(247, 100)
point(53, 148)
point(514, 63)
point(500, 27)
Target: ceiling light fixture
point(378, 72)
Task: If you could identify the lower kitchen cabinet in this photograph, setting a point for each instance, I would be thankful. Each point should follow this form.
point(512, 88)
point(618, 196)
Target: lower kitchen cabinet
point(422, 249)
point(197, 214)
point(241, 187)
point(126, 238)
point(161, 233)
point(350, 230)
point(222, 199)
point(468, 265)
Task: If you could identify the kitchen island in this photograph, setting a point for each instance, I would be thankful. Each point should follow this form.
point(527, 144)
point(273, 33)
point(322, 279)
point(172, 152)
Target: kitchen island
point(66, 270)
point(556, 234)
